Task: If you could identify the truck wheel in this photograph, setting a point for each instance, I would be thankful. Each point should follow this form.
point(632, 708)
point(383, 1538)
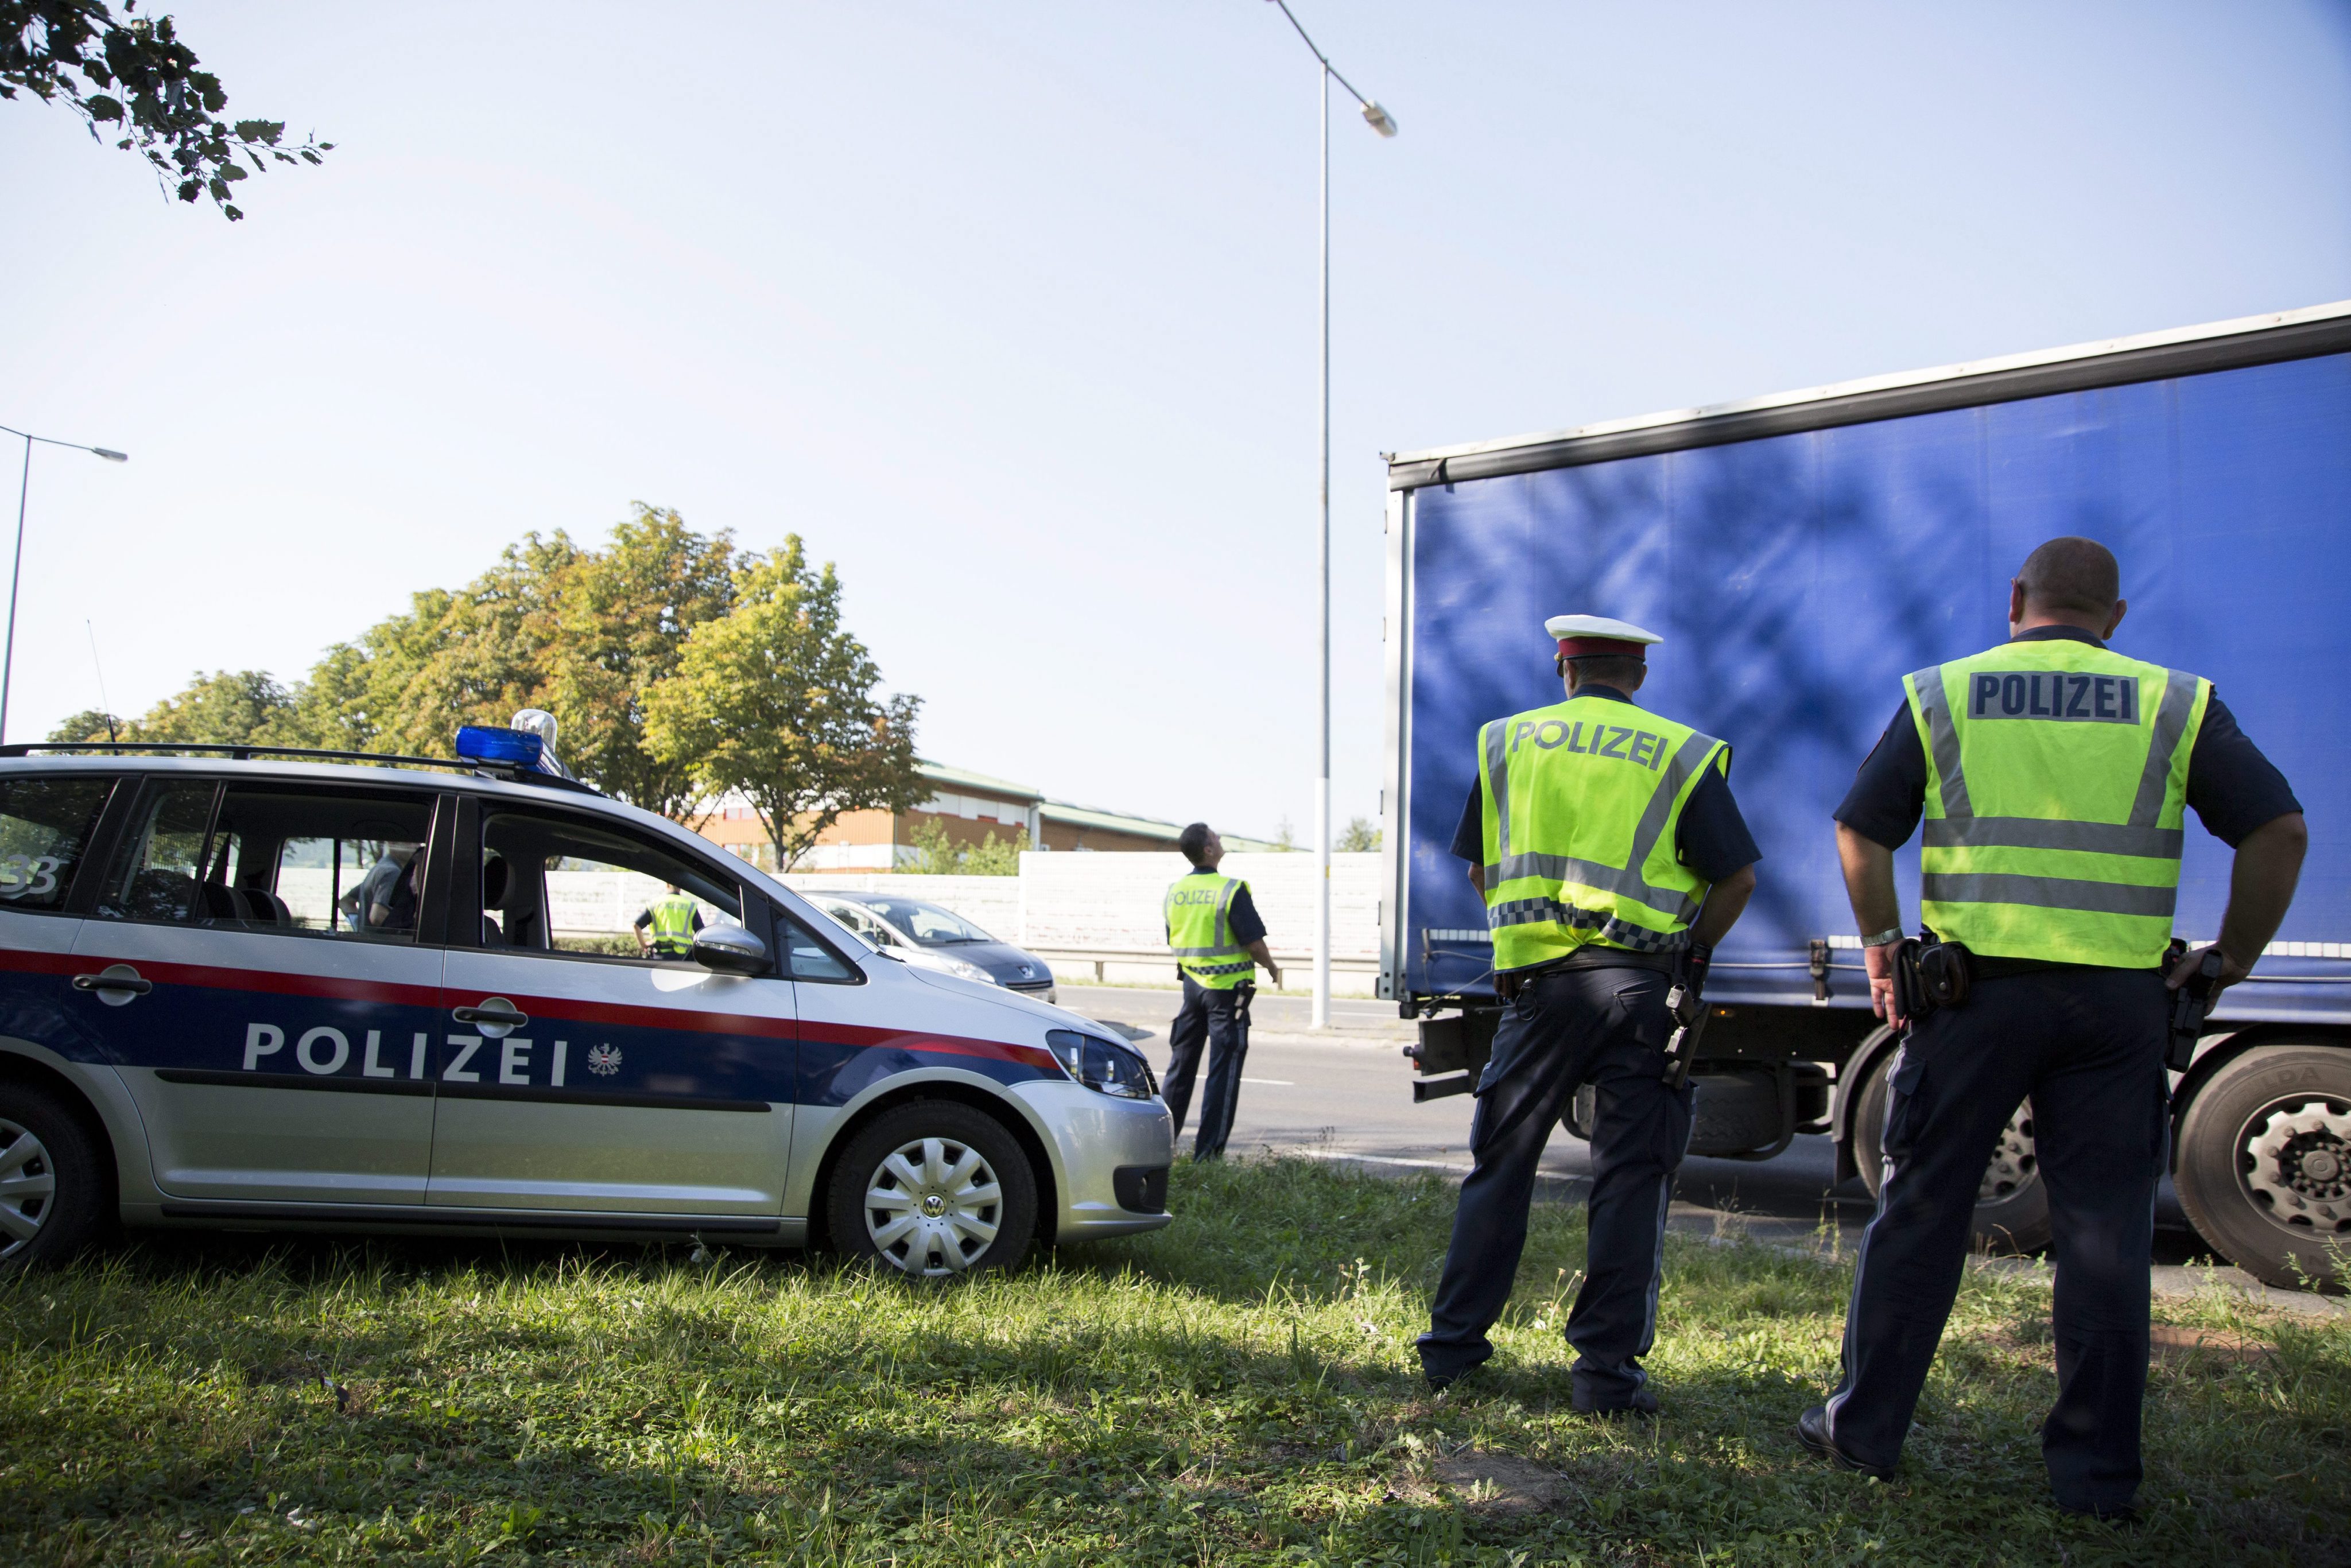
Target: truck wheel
point(934, 1189)
point(2264, 1164)
point(2012, 1206)
point(52, 1183)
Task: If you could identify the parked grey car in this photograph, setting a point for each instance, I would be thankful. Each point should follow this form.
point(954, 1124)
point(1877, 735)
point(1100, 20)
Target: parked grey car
point(931, 937)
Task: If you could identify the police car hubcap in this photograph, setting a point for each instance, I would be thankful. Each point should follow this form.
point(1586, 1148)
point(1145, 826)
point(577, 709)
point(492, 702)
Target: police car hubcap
point(2295, 1159)
point(932, 1208)
point(27, 1183)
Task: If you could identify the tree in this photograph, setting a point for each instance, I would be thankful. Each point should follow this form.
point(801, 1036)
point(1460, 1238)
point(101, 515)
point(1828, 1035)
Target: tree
point(1358, 837)
point(934, 856)
point(134, 75)
point(622, 615)
point(990, 858)
point(774, 699)
point(487, 654)
point(90, 724)
point(223, 708)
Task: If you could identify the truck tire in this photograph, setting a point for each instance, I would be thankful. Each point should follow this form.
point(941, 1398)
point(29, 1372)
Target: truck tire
point(53, 1183)
point(2012, 1206)
point(934, 1190)
point(2263, 1169)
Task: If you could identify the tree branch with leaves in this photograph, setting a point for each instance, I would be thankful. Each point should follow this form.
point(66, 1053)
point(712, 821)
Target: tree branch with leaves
point(132, 75)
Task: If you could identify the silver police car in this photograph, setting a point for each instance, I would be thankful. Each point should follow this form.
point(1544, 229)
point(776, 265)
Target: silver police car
point(245, 989)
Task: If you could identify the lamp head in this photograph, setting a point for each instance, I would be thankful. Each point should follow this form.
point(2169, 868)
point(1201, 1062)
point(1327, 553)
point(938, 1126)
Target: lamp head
point(111, 456)
point(1379, 120)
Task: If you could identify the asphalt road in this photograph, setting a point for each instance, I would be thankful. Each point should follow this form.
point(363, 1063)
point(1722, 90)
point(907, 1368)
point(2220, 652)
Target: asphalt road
point(1350, 1095)
point(1346, 1093)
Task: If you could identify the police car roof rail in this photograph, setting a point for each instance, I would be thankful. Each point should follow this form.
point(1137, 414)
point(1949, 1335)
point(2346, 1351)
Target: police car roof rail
point(247, 751)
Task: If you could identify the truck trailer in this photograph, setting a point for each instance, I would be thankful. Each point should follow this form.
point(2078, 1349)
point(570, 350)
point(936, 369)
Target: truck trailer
point(1800, 553)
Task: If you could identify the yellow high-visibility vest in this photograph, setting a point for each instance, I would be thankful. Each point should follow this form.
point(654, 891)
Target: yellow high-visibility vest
point(673, 929)
point(1582, 801)
point(2056, 795)
point(1199, 927)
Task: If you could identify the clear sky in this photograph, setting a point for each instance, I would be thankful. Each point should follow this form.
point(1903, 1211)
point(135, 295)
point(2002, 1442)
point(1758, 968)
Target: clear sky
point(1010, 309)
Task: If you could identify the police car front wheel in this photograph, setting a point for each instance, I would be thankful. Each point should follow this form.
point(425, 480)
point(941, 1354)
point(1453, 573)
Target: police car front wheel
point(934, 1189)
point(52, 1183)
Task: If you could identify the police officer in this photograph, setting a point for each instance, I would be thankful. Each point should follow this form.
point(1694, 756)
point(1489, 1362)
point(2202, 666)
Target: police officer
point(1219, 942)
point(665, 927)
point(1610, 856)
point(2054, 774)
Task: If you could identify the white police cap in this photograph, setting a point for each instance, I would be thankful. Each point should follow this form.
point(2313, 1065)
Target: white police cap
point(1585, 636)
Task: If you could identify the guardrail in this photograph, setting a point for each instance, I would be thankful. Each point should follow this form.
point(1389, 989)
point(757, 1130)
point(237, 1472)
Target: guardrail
point(1100, 958)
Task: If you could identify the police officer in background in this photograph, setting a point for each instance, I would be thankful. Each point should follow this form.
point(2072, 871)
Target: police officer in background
point(1611, 858)
point(665, 927)
point(1219, 942)
point(2054, 774)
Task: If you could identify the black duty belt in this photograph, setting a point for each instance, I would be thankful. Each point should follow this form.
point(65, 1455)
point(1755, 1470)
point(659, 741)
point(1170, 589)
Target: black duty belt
point(1601, 958)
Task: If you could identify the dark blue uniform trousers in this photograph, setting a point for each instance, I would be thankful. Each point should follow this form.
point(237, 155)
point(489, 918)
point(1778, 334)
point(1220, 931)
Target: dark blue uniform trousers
point(1607, 1027)
point(2087, 1045)
point(1219, 1021)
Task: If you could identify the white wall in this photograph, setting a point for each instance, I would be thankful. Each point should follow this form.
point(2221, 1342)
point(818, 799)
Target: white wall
point(1070, 907)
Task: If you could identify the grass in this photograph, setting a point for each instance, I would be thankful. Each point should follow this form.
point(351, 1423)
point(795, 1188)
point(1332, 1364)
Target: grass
point(1237, 1388)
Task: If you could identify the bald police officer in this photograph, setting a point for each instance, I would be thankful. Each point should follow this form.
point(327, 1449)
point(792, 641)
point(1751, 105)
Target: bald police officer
point(2054, 775)
point(1611, 859)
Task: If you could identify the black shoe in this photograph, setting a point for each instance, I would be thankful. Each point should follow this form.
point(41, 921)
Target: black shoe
point(1813, 1431)
point(1641, 1402)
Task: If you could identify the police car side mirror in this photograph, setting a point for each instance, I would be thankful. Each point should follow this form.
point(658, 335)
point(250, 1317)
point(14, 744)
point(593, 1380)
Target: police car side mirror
point(730, 950)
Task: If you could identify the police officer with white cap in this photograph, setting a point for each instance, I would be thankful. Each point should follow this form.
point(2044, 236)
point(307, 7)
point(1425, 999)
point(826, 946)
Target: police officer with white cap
point(1611, 858)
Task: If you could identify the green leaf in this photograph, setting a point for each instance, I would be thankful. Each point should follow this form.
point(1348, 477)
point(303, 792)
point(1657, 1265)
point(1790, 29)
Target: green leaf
point(233, 172)
point(103, 108)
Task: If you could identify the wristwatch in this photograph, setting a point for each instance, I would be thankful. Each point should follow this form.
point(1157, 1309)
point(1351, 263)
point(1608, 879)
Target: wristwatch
point(1884, 939)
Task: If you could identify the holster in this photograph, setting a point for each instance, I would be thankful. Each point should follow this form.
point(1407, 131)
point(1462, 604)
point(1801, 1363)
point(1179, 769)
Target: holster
point(2191, 1004)
point(1931, 976)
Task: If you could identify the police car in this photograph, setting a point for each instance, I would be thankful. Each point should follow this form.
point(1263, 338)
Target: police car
point(263, 989)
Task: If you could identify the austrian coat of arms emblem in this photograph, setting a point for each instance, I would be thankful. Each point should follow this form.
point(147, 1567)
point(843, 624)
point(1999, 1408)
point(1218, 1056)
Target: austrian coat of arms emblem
point(604, 1059)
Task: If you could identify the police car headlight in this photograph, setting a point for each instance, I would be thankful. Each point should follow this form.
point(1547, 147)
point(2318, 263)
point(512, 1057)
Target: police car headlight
point(963, 971)
point(1099, 1065)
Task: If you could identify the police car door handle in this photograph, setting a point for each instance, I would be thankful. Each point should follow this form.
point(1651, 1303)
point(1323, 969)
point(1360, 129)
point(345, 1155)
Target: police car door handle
point(115, 977)
point(506, 1016)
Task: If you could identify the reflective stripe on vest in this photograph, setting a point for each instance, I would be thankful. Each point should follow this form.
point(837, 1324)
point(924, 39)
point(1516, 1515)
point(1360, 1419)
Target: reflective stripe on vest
point(1581, 803)
point(674, 925)
point(2056, 792)
point(1199, 928)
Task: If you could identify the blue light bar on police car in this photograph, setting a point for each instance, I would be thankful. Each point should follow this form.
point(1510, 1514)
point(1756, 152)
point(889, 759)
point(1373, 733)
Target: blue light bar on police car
point(489, 743)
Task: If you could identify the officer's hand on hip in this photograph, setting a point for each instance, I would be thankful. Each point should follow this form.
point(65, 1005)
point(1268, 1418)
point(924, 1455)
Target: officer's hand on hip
point(1880, 963)
point(2185, 970)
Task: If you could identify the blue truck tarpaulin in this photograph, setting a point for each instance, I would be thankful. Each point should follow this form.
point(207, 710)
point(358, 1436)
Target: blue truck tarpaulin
point(1797, 577)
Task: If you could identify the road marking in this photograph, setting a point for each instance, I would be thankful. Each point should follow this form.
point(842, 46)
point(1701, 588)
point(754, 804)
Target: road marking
point(1375, 1159)
point(1278, 1082)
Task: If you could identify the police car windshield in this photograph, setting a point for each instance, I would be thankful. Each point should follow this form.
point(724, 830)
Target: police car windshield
point(926, 924)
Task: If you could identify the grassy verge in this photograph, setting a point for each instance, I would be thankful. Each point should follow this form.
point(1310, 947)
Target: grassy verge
point(1237, 1388)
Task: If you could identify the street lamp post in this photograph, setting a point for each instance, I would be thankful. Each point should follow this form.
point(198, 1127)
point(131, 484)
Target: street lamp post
point(16, 567)
point(1379, 120)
